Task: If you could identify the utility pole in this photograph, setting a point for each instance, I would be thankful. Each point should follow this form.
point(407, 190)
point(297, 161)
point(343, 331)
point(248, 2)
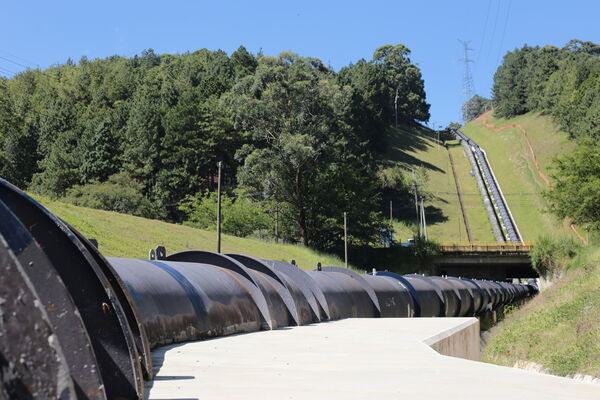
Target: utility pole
point(396, 107)
point(424, 221)
point(276, 225)
point(219, 208)
point(415, 189)
point(391, 215)
point(468, 87)
point(345, 241)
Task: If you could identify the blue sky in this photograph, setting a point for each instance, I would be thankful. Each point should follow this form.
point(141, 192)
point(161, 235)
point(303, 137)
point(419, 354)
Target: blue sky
point(338, 32)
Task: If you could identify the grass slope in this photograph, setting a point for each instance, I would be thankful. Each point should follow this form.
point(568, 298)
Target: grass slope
point(481, 229)
point(559, 328)
point(514, 167)
point(413, 147)
point(121, 235)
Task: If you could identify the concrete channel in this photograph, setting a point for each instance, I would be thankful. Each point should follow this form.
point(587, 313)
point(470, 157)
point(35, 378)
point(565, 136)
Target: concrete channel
point(386, 358)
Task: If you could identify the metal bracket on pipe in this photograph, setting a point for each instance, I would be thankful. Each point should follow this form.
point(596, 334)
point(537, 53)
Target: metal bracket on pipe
point(160, 253)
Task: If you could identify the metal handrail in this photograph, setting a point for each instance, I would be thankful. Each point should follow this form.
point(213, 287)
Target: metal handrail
point(492, 247)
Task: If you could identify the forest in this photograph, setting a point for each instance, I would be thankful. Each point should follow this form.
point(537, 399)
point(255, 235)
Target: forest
point(299, 142)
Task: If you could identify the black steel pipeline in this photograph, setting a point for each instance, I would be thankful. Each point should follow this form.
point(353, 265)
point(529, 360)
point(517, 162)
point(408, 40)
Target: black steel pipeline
point(183, 301)
point(394, 298)
point(90, 295)
point(452, 297)
point(85, 325)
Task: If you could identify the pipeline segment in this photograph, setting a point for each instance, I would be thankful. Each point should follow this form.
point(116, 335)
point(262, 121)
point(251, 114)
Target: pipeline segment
point(502, 209)
point(85, 325)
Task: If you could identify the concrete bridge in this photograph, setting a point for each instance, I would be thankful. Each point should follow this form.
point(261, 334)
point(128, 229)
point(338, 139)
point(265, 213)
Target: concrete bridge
point(497, 261)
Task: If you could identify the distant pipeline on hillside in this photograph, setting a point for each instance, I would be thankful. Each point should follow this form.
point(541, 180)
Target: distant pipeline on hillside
point(501, 208)
point(77, 325)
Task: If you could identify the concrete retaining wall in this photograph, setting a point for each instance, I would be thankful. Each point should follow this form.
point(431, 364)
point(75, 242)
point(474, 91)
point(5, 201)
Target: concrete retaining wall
point(462, 341)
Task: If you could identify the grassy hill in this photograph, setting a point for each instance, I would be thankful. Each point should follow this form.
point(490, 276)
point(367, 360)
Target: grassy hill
point(121, 235)
point(513, 163)
point(411, 148)
point(559, 328)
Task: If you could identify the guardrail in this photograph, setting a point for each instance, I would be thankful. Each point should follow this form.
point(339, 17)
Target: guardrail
point(484, 247)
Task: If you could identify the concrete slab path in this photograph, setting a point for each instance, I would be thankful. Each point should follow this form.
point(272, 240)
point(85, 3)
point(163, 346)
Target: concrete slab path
point(350, 359)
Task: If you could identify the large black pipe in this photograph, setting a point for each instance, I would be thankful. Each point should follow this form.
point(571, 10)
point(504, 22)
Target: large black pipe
point(430, 296)
point(183, 301)
point(393, 297)
point(452, 297)
point(87, 324)
point(92, 295)
point(300, 307)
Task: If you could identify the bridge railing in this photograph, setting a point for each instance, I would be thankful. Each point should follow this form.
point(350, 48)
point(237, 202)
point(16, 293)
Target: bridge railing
point(485, 247)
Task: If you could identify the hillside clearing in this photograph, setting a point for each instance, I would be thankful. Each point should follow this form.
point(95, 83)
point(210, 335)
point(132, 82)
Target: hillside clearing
point(515, 169)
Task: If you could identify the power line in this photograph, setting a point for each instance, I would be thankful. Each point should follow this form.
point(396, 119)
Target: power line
point(7, 71)
point(489, 52)
point(504, 30)
point(43, 73)
point(14, 62)
point(27, 67)
point(487, 17)
point(19, 58)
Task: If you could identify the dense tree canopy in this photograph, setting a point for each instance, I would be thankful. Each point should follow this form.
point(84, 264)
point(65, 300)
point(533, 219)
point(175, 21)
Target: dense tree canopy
point(564, 83)
point(143, 134)
point(576, 191)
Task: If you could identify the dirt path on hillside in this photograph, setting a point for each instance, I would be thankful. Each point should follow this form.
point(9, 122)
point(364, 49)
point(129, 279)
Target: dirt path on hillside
point(523, 131)
point(483, 118)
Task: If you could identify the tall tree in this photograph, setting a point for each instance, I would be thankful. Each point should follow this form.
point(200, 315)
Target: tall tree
point(576, 185)
point(404, 84)
point(295, 110)
point(475, 107)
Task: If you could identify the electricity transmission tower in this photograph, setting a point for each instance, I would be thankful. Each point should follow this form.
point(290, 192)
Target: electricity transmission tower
point(468, 86)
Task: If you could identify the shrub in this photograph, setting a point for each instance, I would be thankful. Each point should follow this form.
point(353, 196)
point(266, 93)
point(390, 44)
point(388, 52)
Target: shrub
point(119, 193)
point(241, 216)
point(551, 255)
point(424, 249)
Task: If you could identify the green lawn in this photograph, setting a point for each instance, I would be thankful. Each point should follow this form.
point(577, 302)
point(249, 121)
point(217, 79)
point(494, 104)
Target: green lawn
point(121, 235)
point(513, 166)
point(414, 147)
